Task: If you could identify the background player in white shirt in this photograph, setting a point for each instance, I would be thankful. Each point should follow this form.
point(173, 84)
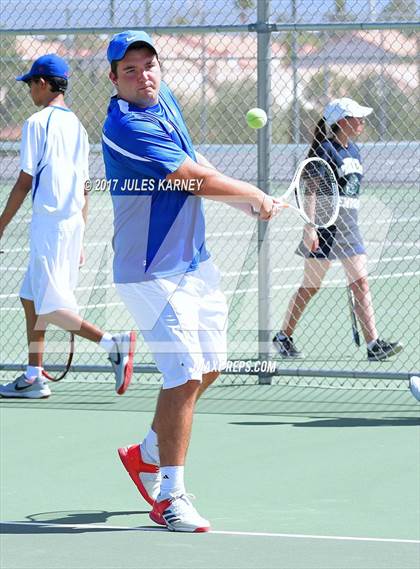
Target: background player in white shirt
point(54, 168)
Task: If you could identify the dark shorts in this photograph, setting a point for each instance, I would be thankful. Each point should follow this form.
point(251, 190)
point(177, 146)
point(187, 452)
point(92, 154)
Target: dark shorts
point(339, 241)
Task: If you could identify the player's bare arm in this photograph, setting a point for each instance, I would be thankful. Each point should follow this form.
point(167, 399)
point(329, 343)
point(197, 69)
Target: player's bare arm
point(203, 161)
point(85, 212)
point(85, 209)
point(217, 186)
point(16, 198)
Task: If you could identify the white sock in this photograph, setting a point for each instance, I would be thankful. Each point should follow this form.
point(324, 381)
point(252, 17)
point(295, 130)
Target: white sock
point(33, 372)
point(371, 344)
point(107, 342)
point(172, 481)
point(150, 448)
point(281, 335)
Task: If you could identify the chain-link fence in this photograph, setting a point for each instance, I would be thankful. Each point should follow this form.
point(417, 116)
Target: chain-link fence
point(222, 57)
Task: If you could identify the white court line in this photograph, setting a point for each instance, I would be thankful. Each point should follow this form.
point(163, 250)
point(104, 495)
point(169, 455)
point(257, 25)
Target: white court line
point(309, 536)
point(221, 532)
point(227, 234)
point(394, 243)
point(326, 282)
point(78, 289)
point(81, 307)
point(226, 292)
point(223, 273)
point(233, 292)
point(240, 233)
point(333, 265)
point(281, 228)
point(90, 244)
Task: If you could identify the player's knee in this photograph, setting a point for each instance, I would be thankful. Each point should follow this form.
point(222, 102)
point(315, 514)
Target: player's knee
point(360, 286)
point(191, 386)
point(306, 292)
point(209, 378)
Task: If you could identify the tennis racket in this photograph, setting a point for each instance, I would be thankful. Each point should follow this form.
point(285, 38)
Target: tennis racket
point(313, 193)
point(58, 353)
point(354, 327)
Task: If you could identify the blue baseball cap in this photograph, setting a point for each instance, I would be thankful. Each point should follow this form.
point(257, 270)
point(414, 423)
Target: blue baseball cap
point(122, 41)
point(47, 66)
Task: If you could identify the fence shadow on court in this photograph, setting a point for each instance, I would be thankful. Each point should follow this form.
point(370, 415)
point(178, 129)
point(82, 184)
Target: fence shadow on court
point(339, 422)
point(69, 522)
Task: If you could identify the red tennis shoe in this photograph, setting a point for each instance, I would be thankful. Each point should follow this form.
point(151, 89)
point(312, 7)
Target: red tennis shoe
point(146, 476)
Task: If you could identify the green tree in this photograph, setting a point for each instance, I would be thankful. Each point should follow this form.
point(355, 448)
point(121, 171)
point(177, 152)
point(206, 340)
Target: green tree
point(225, 114)
point(340, 8)
point(303, 39)
point(88, 96)
point(400, 10)
point(340, 13)
point(15, 103)
point(390, 104)
point(244, 6)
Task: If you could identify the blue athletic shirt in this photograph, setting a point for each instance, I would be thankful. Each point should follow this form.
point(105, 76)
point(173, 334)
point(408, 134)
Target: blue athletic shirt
point(159, 231)
point(346, 164)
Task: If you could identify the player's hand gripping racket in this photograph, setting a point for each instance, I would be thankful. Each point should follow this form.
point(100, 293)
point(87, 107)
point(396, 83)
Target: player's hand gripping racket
point(58, 353)
point(354, 327)
point(313, 193)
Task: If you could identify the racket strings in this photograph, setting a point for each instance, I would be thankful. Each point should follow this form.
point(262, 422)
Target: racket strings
point(318, 195)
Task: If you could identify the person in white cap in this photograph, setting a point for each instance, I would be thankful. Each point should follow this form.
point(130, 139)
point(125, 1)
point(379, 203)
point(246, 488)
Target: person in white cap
point(54, 169)
point(343, 121)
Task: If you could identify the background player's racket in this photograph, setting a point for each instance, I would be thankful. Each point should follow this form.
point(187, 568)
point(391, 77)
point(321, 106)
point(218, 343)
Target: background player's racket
point(354, 327)
point(58, 353)
point(315, 192)
point(60, 344)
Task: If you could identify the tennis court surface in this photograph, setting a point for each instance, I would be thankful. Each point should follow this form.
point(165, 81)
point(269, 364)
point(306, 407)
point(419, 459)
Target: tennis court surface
point(291, 477)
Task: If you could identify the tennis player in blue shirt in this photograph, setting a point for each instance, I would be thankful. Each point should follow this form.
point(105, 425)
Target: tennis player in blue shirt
point(162, 267)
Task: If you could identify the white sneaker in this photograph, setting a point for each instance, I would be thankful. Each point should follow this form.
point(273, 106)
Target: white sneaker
point(178, 514)
point(121, 359)
point(415, 386)
point(25, 388)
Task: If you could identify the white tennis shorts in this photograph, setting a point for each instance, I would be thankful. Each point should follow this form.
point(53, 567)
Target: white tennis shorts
point(53, 270)
point(183, 320)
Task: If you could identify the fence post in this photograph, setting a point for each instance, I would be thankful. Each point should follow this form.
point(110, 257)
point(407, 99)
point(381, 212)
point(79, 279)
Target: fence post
point(264, 147)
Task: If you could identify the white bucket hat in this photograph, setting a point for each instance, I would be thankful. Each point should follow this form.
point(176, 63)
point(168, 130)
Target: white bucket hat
point(344, 107)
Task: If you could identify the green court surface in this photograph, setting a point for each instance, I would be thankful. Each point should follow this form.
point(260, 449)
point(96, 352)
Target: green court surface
point(290, 478)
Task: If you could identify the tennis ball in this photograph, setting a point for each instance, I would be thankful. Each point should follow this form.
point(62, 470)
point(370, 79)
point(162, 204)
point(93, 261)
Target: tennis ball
point(256, 118)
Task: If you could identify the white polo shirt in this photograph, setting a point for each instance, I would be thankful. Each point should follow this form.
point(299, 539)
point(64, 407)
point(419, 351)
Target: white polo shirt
point(55, 151)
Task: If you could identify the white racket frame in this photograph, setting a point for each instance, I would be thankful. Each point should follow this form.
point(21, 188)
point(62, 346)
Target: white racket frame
point(294, 186)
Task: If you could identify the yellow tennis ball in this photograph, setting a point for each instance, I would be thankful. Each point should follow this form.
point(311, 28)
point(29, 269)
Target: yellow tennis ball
point(256, 118)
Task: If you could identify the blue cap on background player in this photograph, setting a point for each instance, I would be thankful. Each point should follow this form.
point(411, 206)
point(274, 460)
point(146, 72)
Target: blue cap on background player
point(50, 65)
point(122, 41)
point(344, 107)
